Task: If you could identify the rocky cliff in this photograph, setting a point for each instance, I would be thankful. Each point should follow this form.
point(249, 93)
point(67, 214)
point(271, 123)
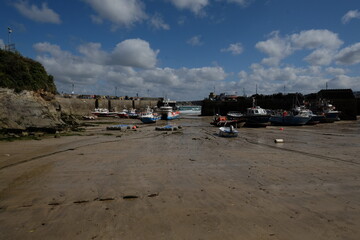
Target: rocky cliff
point(44, 111)
point(29, 110)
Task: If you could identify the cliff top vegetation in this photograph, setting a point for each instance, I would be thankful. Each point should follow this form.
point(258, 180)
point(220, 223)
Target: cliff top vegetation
point(21, 73)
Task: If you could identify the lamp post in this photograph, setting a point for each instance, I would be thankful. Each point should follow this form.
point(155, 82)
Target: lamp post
point(9, 32)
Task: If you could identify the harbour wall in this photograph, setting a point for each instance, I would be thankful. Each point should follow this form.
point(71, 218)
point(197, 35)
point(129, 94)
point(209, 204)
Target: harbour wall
point(80, 107)
point(348, 107)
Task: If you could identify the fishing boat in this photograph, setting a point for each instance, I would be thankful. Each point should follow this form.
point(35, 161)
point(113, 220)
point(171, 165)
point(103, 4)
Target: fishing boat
point(219, 121)
point(289, 119)
point(328, 110)
point(228, 132)
point(303, 111)
point(149, 116)
point(103, 112)
point(167, 112)
point(126, 113)
point(123, 114)
point(132, 113)
point(235, 115)
point(325, 109)
point(256, 116)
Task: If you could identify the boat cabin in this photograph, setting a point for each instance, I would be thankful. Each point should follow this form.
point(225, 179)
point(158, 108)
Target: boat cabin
point(256, 111)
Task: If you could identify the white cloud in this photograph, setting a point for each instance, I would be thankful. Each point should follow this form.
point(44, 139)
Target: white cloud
point(134, 53)
point(349, 55)
point(311, 39)
point(273, 79)
point(309, 79)
point(320, 56)
point(195, 41)
point(93, 71)
point(324, 42)
point(157, 22)
point(52, 49)
point(343, 81)
point(242, 3)
point(234, 49)
point(276, 47)
point(33, 12)
point(93, 52)
point(335, 71)
point(65, 66)
point(196, 6)
point(324, 46)
point(119, 12)
point(350, 15)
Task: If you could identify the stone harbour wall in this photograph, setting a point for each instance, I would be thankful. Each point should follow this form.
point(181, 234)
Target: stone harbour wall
point(81, 107)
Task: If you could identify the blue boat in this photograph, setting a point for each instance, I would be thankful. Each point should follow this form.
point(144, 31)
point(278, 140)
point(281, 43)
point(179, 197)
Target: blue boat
point(289, 120)
point(303, 111)
point(149, 116)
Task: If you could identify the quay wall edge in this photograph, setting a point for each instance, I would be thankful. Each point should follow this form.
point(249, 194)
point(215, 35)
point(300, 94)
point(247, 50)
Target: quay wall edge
point(81, 107)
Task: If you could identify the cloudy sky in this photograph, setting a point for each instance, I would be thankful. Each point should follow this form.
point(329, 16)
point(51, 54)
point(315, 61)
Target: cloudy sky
point(185, 49)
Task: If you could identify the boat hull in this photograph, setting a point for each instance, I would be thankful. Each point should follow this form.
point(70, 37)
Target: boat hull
point(170, 115)
point(149, 119)
point(332, 116)
point(315, 119)
point(257, 120)
point(105, 114)
point(289, 120)
point(329, 117)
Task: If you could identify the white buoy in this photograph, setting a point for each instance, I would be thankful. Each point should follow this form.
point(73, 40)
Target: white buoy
point(279, 140)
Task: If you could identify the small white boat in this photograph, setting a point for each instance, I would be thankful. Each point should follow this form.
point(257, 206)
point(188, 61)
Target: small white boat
point(228, 132)
point(104, 112)
point(235, 115)
point(167, 112)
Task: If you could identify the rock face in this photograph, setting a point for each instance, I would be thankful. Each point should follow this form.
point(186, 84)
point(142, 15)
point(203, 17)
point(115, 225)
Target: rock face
point(43, 111)
point(29, 110)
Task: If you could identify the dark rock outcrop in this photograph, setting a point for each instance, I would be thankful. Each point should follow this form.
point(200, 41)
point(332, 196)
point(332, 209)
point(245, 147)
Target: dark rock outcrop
point(29, 110)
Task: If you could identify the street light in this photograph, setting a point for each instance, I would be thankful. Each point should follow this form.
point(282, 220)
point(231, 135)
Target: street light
point(9, 32)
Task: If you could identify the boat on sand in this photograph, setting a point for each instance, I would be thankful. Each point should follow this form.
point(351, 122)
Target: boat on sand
point(228, 132)
point(149, 116)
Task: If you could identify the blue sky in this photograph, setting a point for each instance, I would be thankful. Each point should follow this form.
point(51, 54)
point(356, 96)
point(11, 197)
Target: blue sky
point(185, 49)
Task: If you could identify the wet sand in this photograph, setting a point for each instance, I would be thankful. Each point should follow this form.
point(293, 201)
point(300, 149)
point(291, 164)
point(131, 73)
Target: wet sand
point(189, 184)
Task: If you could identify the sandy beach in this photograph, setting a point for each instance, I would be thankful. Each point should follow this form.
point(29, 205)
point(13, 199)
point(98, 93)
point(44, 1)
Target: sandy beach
point(186, 184)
